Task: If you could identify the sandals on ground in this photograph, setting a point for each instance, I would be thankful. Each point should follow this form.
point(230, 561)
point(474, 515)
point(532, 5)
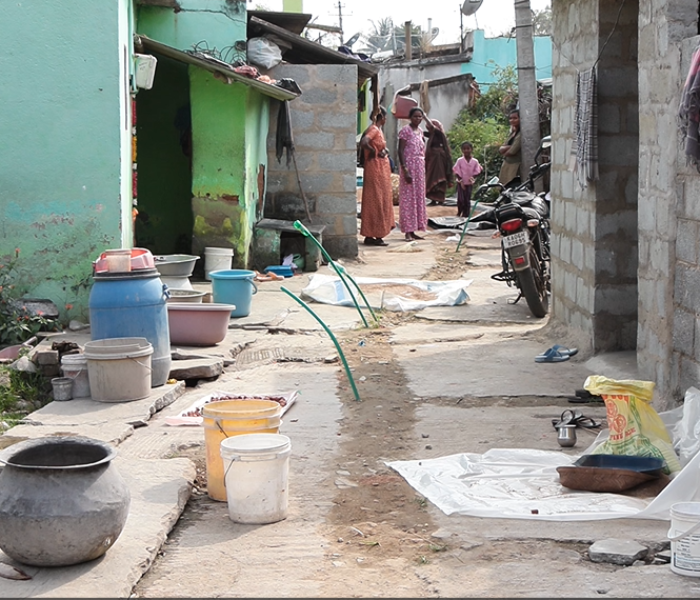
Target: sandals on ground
point(575, 417)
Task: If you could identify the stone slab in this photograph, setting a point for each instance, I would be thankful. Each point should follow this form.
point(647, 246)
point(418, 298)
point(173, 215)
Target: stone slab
point(159, 491)
point(81, 416)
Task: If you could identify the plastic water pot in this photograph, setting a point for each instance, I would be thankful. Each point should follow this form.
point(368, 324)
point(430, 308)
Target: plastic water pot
point(256, 471)
point(227, 418)
point(133, 305)
point(234, 286)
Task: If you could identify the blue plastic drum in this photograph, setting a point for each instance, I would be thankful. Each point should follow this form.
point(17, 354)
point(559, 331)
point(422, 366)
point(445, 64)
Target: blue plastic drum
point(133, 304)
point(234, 286)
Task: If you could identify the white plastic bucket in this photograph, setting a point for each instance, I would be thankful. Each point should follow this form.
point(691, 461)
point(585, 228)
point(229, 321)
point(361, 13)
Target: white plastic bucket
point(119, 369)
point(256, 471)
point(75, 367)
point(216, 259)
point(685, 538)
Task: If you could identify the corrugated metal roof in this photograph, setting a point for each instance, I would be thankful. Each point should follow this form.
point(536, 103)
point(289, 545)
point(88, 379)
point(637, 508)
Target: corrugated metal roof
point(305, 51)
point(213, 65)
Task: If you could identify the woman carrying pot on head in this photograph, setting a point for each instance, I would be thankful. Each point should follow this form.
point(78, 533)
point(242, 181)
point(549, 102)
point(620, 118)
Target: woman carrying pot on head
point(377, 211)
point(511, 152)
point(438, 164)
point(412, 212)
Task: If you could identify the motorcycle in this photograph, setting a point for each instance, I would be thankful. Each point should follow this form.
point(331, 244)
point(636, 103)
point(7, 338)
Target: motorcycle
point(522, 219)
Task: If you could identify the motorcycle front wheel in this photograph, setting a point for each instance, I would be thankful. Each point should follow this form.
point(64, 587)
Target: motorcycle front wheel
point(532, 286)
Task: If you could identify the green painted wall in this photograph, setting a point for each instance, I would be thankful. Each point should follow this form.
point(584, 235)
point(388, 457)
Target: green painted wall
point(218, 166)
point(165, 220)
point(64, 119)
point(209, 24)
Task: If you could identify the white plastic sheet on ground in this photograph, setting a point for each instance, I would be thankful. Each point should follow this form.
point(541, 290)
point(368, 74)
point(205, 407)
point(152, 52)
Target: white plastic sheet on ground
point(524, 484)
point(390, 294)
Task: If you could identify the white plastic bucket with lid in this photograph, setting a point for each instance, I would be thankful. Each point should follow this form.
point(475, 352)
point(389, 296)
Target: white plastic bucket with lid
point(75, 367)
point(256, 473)
point(216, 259)
point(119, 369)
point(685, 538)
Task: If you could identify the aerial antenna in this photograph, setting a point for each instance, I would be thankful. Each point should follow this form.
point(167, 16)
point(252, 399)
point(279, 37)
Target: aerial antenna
point(469, 7)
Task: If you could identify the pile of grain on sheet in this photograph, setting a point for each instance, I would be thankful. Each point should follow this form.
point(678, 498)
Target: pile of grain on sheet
point(399, 289)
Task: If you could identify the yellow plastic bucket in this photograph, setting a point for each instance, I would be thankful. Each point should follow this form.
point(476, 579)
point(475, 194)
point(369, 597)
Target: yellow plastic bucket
point(225, 418)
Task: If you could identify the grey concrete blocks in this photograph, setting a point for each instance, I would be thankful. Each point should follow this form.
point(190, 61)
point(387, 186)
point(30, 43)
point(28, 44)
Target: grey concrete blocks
point(341, 246)
point(577, 253)
point(616, 300)
point(338, 120)
point(330, 204)
point(320, 96)
point(339, 161)
point(687, 241)
point(684, 330)
point(314, 140)
point(345, 75)
point(609, 120)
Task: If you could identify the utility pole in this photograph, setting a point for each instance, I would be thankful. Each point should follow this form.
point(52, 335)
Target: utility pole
point(340, 22)
point(527, 86)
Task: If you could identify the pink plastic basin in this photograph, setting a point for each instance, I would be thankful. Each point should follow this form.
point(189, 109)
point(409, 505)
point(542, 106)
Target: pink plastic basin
point(195, 324)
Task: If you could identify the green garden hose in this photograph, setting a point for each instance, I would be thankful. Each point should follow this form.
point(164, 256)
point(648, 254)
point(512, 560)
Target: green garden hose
point(330, 333)
point(299, 226)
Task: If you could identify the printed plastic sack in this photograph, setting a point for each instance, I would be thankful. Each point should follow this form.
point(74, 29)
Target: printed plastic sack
point(264, 52)
point(635, 427)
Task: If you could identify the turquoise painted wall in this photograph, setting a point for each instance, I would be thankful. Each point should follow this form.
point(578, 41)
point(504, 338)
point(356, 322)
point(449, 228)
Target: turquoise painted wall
point(502, 51)
point(210, 24)
point(64, 118)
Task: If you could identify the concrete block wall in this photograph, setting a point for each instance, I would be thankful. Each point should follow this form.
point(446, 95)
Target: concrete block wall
point(594, 264)
point(324, 126)
point(573, 207)
point(677, 229)
point(615, 326)
point(668, 296)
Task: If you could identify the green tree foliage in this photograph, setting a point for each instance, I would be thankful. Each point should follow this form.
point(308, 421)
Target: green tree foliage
point(542, 22)
point(485, 124)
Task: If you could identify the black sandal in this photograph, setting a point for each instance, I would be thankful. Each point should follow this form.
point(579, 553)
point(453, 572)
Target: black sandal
point(575, 417)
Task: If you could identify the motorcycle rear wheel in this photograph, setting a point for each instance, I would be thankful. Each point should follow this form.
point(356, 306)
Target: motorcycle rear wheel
point(532, 286)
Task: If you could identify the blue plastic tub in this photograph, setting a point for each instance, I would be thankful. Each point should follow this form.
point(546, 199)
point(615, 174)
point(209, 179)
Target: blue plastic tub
point(234, 286)
point(281, 270)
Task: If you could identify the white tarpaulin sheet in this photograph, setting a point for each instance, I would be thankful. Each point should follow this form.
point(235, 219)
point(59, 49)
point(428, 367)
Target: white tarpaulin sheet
point(390, 294)
point(522, 483)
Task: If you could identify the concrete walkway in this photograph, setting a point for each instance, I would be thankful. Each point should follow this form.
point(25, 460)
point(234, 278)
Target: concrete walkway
point(485, 347)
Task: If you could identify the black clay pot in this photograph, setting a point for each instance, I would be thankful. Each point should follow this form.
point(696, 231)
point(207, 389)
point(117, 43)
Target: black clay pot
point(62, 501)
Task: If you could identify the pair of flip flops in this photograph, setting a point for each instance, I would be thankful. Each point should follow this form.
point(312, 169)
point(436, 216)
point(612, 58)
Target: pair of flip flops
point(575, 417)
point(556, 353)
point(585, 397)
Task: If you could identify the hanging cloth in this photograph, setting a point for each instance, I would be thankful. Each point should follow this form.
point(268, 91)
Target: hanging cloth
point(586, 127)
point(284, 139)
point(689, 111)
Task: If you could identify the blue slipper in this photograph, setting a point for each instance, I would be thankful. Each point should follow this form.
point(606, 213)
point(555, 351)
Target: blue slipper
point(565, 350)
point(552, 355)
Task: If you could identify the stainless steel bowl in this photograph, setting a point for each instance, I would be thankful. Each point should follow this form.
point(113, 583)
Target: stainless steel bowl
point(175, 265)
